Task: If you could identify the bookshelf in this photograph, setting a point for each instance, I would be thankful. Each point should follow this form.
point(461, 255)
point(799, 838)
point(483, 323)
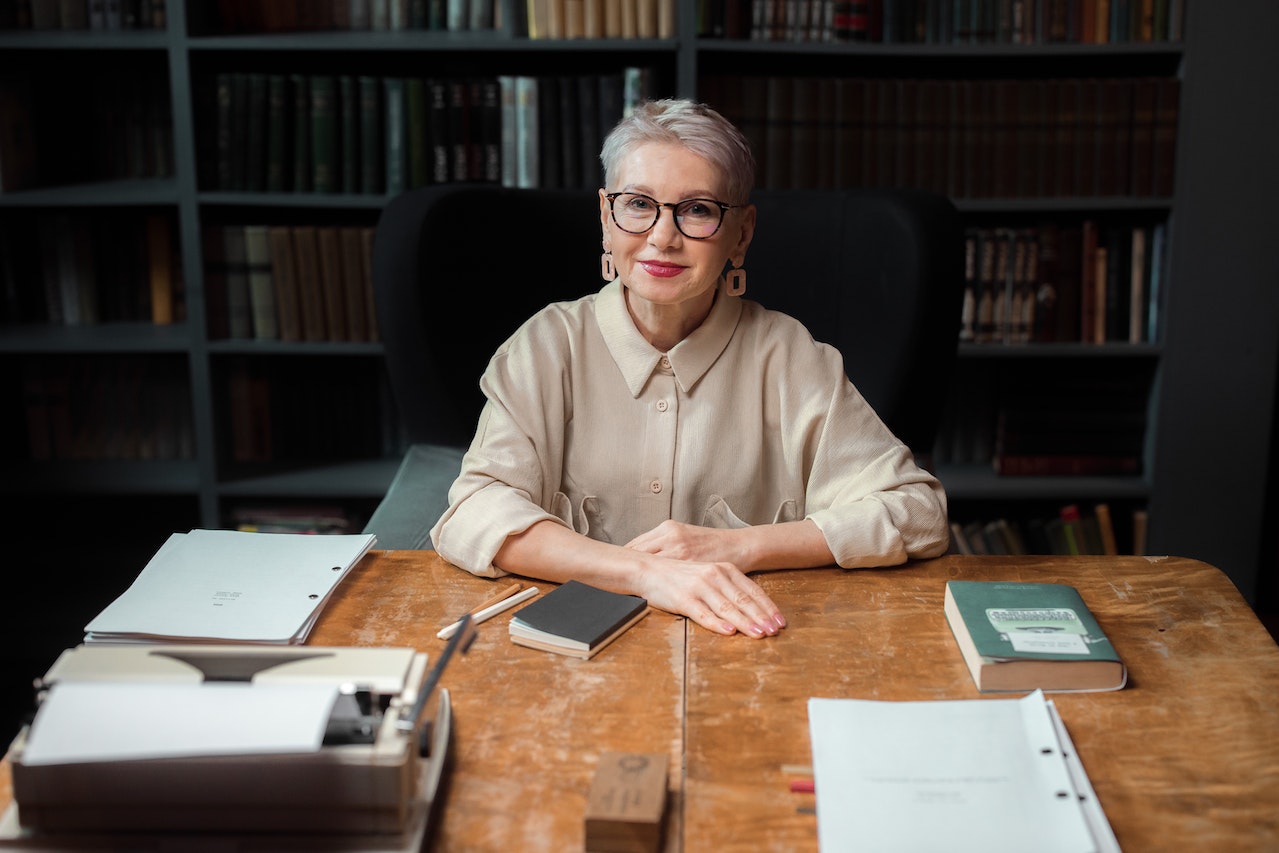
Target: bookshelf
point(351, 452)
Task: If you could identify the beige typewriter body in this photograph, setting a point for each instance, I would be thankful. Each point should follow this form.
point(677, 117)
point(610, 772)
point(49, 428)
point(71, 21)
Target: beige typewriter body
point(324, 799)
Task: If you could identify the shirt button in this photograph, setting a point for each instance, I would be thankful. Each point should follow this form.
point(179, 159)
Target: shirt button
point(655, 487)
point(666, 363)
point(662, 405)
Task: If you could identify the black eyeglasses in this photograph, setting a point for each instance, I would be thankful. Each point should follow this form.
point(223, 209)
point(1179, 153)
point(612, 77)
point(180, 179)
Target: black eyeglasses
point(696, 218)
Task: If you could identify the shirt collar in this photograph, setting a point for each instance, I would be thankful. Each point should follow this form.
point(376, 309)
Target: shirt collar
point(637, 358)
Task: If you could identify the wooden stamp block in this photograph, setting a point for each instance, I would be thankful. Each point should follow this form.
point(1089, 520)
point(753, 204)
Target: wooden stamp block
point(626, 803)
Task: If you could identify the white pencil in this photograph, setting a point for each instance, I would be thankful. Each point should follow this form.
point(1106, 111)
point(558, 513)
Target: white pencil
point(491, 611)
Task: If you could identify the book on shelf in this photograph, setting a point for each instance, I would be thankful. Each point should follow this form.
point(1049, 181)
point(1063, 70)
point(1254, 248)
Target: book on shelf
point(284, 277)
point(262, 302)
point(332, 284)
point(306, 258)
point(395, 135)
point(1030, 636)
point(1070, 530)
point(19, 147)
point(232, 587)
point(301, 123)
point(163, 271)
point(417, 133)
point(276, 155)
point(236, 270)
point(967, 138)
point(217, 306)
point(257, 122)
point(354, 281)
point(249, 411)
point(372, 169)
point(576, 619)
point(436, 132)
point(326, 164)
point(349, 132)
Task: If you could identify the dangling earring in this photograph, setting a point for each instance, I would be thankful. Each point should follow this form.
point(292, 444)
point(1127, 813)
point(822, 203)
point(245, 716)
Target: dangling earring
point(606, 266)
point(735, 281)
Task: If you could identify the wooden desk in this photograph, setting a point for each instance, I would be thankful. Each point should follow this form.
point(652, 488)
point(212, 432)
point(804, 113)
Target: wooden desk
point(1185, 758)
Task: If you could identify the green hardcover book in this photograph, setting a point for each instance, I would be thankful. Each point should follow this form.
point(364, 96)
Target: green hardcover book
point(395, 106)
point(1018, 637)
point(325, 142)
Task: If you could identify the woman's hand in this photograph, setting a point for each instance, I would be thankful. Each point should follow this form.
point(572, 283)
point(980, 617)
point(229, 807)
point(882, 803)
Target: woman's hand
point(715, 595)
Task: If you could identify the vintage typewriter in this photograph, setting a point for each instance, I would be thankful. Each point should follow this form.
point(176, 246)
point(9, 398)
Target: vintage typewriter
point(85, 774)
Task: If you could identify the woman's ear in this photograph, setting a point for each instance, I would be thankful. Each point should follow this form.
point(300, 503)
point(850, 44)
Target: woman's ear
point(747, 233)
point(605, 212)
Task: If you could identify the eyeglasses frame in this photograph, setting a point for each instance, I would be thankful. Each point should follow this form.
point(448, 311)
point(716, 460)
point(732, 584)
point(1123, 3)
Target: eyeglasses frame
point(723, 208)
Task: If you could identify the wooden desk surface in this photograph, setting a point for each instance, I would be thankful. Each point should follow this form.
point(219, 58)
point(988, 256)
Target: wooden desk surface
point(1186, 757)
point(528, 725)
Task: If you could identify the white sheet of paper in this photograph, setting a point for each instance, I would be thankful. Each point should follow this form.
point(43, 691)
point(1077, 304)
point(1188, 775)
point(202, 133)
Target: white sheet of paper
point(227, 585)
point(959, 776)
point(95, 721)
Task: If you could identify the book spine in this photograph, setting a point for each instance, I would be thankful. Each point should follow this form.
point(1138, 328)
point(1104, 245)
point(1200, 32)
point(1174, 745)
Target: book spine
point(372, 146)
point(325, 139)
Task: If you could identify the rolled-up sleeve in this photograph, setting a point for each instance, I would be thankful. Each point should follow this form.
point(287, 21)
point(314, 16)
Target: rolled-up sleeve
point(873, 504)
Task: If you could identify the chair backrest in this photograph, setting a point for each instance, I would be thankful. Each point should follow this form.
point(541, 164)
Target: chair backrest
point(876, 273)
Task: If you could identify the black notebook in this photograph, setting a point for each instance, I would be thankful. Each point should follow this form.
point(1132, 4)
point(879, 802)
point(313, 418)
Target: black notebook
point(576, 619)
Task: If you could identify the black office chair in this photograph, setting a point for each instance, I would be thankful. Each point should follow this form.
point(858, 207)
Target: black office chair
point(457, 268)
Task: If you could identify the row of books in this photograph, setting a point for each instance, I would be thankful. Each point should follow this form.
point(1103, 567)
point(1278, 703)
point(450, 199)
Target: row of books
point(1046, 417)
point(945, 21)
point(47, 115)
point(1089, 283)
point(284, 411)
point(98, 15)
point(1072, 530)
point(595, 19)
point(372, 135)
point(963, 138)
point(536, 19)
point(290, 283)
point(122, 407)
point(67, 269)
point(235, 17)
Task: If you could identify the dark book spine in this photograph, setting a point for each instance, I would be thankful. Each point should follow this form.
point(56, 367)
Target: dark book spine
point(349, 134)
point(301, 120)
point(325, 139)
point(277, 134)
point(372, 145)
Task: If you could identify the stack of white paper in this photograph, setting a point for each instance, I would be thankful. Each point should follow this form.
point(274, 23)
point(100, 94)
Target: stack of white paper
point(228, 586)
point(975, 775)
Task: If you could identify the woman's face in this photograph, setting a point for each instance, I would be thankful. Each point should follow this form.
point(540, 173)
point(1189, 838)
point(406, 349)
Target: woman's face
point(662, 266)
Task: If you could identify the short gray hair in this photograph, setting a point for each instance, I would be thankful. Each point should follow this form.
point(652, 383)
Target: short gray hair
point(695, 126)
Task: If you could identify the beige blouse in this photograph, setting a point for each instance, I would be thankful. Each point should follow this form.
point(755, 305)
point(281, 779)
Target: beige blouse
point(747, 421)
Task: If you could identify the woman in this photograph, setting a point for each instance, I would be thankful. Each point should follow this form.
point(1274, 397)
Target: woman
point(664, 437)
